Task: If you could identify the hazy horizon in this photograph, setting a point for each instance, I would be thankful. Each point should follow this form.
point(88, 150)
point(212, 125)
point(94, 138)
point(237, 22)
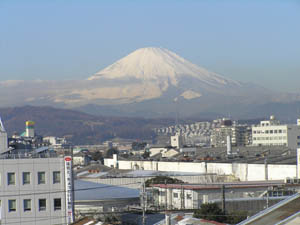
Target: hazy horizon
point(249, 41)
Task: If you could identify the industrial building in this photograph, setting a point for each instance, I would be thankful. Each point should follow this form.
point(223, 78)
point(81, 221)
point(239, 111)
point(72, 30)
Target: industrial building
point(271, 132)
point(92, 198)
point(191, 196)
point(244, 163)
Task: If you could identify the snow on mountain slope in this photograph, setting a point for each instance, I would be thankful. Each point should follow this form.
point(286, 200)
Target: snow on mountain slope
point(159, 64)
point(148, 80)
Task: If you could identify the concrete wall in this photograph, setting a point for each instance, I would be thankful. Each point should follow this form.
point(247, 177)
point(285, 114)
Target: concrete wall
point(243, 171)
point(136, 182)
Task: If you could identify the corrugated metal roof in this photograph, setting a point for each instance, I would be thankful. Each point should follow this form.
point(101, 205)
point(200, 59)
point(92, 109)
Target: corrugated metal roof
point(85, 191)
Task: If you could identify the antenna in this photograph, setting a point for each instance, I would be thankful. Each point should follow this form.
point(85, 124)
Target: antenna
point(176, 110)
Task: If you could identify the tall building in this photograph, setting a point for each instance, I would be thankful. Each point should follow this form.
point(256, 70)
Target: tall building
point(177, 141)
point(3, 138)
point(271, 132)
point(239, 135)
point(36, 188)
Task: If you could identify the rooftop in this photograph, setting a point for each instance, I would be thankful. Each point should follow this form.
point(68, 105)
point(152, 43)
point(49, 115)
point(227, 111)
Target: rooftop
point(90, 191)
point(237, 185)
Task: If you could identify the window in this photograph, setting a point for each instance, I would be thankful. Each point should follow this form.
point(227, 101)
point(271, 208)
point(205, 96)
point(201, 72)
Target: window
point(41, 178)
point(188, 196)
point(175, 195)
point(27, 204)
point(162, 193)
point(56, 177)
point(26, 177)
point(12, 205)
point(11, 178)
point(57, 204)
point(42, 204)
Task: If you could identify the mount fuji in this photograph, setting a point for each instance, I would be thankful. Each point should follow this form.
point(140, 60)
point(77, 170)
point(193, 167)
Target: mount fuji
point(147, 82)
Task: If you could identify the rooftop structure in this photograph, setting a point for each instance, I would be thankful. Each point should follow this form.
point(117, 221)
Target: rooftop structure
point(3, 138)
point(284, 212)
point(271, 132)
point(191, 196)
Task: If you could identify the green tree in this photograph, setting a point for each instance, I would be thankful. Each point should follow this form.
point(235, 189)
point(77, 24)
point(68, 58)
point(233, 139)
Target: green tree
point(110, 152)
point(163, 180)
point(146, 154)
point(236, 217)
point(210, 211)
point(97, 156)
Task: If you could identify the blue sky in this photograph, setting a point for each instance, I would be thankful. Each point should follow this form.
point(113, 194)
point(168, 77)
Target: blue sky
point(252, 41)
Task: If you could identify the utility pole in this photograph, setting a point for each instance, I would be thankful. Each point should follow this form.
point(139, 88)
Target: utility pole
point(144, 201)
point(223, 197)
point(266, 169)
point(182, 197)
point(268, 197)
point(166, 197)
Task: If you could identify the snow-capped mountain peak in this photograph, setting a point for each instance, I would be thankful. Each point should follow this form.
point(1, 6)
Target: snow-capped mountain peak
point(153, 63)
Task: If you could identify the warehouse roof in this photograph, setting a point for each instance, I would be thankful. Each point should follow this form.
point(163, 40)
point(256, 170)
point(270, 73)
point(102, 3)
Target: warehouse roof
point(87, 191)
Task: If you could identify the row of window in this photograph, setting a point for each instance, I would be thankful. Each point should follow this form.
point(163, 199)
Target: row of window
point(26, 178)
point(188, 196)
point(269, 131)
point(42, 204)
point(270, 138)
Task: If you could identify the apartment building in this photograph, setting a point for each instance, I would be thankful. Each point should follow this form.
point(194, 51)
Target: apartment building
point(239, 135)
point(35, 189)
point(271, 132)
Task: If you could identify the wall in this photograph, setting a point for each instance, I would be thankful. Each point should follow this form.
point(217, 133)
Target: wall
point(136, 182)
point(243, 171)
point(32, 191)
point(3, 141)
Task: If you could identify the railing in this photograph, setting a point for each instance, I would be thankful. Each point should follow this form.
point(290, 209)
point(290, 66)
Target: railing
point(28, 155)
point(268, 210)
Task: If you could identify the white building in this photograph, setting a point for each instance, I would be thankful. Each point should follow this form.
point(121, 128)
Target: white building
point(271, 132)
point(3, 138)
point(177, 141)
point(56, 142)
point(81, 159)
point(34, 190)
point(192, 196)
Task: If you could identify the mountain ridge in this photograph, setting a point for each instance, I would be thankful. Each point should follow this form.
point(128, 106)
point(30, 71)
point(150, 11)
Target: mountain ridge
point(152, 81)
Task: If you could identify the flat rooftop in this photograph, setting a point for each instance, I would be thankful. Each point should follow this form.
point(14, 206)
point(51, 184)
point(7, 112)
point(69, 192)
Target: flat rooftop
point(236, 185)
point(241, 154)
